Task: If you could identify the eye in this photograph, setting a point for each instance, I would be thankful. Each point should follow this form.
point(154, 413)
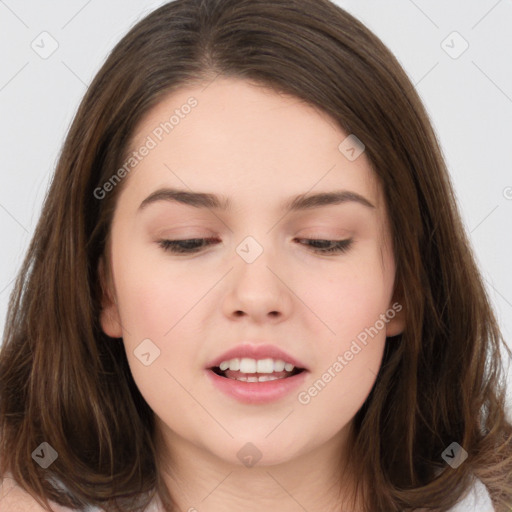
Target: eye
point(189, 246)
point(328, 246)
point(194, 245)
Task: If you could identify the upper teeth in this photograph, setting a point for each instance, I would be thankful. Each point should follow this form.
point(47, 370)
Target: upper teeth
point(248, 365)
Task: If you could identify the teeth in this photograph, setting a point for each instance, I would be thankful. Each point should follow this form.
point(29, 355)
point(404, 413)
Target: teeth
point(248, 365)
point(279, 365)
point(263, 378)
point(265, 366)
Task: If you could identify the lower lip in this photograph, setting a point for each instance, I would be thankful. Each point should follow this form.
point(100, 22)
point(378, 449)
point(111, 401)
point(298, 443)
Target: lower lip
point(257, 392)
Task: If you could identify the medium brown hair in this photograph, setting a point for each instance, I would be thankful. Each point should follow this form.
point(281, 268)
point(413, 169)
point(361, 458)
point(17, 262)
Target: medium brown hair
point(63, 381)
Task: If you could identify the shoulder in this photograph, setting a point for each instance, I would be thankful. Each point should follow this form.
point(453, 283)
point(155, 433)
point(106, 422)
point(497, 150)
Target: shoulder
point(14, 499)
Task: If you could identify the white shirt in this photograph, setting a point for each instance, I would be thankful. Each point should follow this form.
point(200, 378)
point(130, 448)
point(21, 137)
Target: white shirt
point(476, 500)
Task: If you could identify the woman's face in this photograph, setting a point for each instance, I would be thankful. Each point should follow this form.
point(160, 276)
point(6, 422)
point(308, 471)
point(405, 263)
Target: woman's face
point(258, 282)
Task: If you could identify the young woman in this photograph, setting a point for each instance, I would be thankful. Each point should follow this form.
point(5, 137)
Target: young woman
point(250, 287)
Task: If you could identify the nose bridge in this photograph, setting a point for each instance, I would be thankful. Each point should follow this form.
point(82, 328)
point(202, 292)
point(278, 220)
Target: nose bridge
point(254, 228)
point(254, 257)
point(256, 290)
point(251, 249)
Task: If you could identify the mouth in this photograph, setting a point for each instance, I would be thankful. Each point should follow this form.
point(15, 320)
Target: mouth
point(260, 385)
point(256, 370)
point(256, 373)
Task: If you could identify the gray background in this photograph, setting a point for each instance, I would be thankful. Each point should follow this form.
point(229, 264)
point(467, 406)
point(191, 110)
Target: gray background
point(468, 95)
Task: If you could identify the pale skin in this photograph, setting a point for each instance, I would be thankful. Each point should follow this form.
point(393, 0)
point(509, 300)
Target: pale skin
point(258, 149)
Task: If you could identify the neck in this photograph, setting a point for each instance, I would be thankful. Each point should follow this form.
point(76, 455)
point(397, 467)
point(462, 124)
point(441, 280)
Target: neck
point(200, 481)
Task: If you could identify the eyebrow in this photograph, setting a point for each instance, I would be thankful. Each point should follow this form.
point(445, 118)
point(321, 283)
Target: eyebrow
point(212, 201)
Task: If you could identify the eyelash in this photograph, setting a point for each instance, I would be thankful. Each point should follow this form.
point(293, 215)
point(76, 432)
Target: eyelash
point(337, 246)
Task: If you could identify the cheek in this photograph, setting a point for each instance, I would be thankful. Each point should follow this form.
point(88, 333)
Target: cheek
point(154, 296)
point(340, 388)
point(350, 296)
point(352, 310)
point(154, 300)
point(351, 303)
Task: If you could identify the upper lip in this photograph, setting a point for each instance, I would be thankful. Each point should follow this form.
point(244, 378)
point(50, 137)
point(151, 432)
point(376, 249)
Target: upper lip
point(256, 352)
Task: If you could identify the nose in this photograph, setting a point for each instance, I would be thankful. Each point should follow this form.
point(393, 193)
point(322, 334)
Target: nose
point(259, 291)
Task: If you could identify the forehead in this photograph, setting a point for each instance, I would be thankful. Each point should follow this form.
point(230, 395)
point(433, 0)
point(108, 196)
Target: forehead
point(244, 139)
